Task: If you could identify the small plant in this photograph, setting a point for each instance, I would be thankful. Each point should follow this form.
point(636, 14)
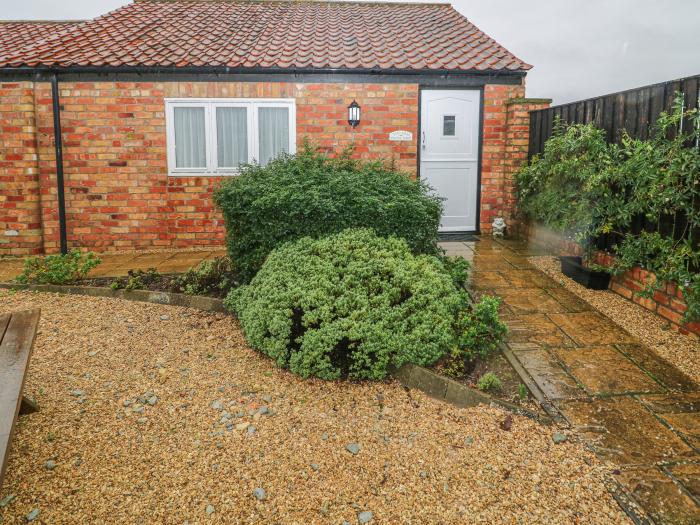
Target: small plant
point(522, 392)
point(137, 280)
point(211, 277)
point(58, 269)
point(481, 329)
point(489, 382)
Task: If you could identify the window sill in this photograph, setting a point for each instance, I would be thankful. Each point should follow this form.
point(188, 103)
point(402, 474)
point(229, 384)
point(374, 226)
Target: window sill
point(204, 174)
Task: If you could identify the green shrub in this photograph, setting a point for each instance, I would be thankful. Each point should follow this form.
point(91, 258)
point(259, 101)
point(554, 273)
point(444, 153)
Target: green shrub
point(479, 332)
point(58, 269)
point(489, 382)
point(351, 304)
point(210, 277)
point(313, 195)
point(137, 280)
point(562, 188)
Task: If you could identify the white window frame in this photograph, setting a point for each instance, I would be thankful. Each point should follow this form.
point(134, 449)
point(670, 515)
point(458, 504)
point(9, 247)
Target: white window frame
point(210, 104)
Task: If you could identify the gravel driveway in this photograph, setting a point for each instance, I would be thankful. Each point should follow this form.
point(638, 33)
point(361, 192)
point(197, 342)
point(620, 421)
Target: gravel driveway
point(157, 414)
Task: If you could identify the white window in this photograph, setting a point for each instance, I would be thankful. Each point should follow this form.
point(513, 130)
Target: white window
point(215, 136)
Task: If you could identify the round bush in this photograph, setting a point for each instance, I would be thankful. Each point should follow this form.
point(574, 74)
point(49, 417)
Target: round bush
point(313, 195)
point(349, 305)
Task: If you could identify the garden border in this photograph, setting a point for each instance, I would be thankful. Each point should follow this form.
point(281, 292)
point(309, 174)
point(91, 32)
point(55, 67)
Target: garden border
point(410, 376)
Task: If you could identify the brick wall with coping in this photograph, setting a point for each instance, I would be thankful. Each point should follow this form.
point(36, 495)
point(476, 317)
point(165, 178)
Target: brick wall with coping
point(118, 193)
point(667, 302)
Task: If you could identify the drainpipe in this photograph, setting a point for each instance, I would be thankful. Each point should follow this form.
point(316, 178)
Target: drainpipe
point(58, 141)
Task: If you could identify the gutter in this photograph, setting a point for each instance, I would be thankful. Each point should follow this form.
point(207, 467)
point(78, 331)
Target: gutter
point(225, 70)
point(58, 147)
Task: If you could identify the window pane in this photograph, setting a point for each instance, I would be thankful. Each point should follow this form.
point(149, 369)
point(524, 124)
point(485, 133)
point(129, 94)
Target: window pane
point(448, 125)
point(231, 137)
point(273, 132)
point(190, 138)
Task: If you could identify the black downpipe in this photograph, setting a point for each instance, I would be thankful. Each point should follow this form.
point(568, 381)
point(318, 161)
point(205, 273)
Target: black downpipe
point(58, 141)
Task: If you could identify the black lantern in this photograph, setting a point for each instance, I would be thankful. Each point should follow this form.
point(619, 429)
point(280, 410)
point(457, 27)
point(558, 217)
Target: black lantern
point(354, 114)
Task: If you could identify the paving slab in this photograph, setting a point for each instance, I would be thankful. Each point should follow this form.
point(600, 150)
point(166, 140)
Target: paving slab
point(537, 329)
point(658, 367)
point(530, 300)
point(681, 412)
point(528, 278)
point(688, 475)
point(591, 328)
point(568, 300)
point(622, 430)
point(488, 280)
point(604, 370)
point(549, 375)
point(664, 499)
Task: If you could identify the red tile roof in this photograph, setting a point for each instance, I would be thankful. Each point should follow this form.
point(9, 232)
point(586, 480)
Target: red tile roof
point(274, 34)
point(15, 35)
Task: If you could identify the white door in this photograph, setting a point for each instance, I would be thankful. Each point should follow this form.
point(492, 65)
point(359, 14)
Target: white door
point(449, 156)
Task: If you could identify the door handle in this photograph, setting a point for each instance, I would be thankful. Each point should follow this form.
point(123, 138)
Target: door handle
point(423, 139)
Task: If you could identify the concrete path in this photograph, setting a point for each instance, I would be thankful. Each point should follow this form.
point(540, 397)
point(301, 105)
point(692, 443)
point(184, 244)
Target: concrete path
point(629, 405)
point(117, 265)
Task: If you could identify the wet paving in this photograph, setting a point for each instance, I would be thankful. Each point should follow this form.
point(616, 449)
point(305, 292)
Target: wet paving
point(628, 404)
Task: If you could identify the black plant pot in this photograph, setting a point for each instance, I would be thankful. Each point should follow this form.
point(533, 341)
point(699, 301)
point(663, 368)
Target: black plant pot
point(572, 267)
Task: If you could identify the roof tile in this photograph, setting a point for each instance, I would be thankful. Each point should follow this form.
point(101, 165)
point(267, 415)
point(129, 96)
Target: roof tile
point(268, 34)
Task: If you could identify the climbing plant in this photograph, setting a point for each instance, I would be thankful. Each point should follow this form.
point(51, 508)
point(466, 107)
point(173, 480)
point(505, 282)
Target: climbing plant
point(585, 187)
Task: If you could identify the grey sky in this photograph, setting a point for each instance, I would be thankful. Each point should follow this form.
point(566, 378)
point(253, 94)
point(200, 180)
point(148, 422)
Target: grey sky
point(580, 48)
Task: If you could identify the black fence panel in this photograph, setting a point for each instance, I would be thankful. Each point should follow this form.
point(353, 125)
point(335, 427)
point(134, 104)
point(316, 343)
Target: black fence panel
point(635, 111)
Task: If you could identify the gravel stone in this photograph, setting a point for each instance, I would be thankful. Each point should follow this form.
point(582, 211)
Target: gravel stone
point(217, 405)
point(33, 514)
point(152, 400)
point(50, 464)
point(559, 438)
point(77, 393)
point(164, 317)
point(365, 517)
point(251, 430)
point(259, 494)
point(209, 510)
point(161, 471)
point(4, 502)
point(353, 448)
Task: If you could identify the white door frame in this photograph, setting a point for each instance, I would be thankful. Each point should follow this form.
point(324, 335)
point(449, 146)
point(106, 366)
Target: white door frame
point(480, 138)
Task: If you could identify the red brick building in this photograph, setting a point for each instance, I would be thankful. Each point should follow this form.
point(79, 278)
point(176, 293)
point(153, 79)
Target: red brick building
point(156, 102)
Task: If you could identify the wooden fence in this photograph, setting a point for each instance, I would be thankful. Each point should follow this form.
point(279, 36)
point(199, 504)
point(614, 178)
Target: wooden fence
point(635, 110)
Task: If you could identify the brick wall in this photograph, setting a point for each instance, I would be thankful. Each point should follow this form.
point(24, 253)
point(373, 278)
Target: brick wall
point(118, 193)
point(20, 217)
point(667, 303)
point(495, 133)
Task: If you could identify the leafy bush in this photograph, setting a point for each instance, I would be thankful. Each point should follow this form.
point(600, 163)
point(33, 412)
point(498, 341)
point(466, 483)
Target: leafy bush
point(137, 280)
point(583, 185)
point(351, 304)
point(313, 195)
point(58, 269)
point(489, 382)
point(561, 188)
point(479, 332)
point(210, 277)
point(480, 329)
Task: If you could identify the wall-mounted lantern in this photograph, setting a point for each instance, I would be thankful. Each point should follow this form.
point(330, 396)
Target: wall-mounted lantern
point(354, 114)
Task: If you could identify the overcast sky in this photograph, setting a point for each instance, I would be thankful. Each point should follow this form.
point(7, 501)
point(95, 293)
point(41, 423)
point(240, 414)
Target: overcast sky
point(580, 48)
